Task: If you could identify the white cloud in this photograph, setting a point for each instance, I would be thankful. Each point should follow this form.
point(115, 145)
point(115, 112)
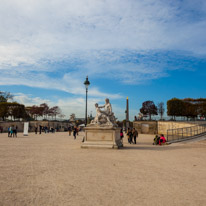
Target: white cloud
point(29, 100)
point(95, 38)
point(69, 83)
point(36, 30)
point(67, 105)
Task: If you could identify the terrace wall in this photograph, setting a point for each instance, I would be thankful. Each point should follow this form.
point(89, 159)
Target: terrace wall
point(33, 124)
point(161, 127)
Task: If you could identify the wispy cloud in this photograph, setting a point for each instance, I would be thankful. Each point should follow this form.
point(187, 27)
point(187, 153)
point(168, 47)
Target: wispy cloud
point(55, 44)
point(29, 100)
point(67, 105)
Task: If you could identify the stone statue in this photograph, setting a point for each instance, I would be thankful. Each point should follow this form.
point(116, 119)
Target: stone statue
point(72, 117)
point(103, 132)
point(104, 117)
point(107, 107)
point(140, 116)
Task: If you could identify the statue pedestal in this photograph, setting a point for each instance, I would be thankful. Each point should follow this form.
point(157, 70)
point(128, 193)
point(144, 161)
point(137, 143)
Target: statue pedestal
point(102, 137)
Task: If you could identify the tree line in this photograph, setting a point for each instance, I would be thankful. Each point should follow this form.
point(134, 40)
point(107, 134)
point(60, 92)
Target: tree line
point(188, 107)
point(15, 111)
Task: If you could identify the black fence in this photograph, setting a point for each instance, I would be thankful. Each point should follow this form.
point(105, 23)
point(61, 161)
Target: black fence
point(185, 133)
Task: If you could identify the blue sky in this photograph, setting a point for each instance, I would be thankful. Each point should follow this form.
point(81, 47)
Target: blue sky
point(146, 50)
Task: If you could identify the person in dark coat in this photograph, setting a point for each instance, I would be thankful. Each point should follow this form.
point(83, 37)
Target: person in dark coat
point(134, 134)
point(129, 135)
point(15, 131)
point(9, 131)
point(75, 132)
point(40, 129)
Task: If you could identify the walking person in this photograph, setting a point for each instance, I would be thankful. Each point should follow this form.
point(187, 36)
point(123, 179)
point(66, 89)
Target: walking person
point(14, 131)
point(9, 132)
point(40, 128)
point(129, 135)
point(70, 130)
point(121, 135)
point(1, 129)
point(75, 132)
point(134, 134)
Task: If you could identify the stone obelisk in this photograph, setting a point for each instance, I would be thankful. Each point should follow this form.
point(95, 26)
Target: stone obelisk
point(127, 114)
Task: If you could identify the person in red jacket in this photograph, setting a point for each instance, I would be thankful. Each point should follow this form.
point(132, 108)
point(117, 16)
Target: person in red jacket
point(162, 139)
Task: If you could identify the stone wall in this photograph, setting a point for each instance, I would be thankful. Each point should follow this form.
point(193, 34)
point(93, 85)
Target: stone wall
point(32, 124)
point(145, 127)
point(161, 127)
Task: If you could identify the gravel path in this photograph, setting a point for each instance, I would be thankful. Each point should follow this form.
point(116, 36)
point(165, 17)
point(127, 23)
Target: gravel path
point(52, 169)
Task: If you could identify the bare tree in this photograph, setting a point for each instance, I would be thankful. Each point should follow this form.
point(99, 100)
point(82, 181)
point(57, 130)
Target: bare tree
point(5, 96)
point(54, 111)
point(45, 109)
point(35, 111)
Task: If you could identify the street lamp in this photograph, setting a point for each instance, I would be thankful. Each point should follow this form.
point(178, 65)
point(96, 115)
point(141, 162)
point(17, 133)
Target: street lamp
point(86, 83)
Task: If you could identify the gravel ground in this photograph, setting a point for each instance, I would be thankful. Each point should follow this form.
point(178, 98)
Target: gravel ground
point(52, 169)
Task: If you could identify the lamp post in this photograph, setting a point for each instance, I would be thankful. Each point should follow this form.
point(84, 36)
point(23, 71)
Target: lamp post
point(86, 83)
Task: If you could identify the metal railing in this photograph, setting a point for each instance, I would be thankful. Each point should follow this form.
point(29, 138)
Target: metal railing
point(185, 133)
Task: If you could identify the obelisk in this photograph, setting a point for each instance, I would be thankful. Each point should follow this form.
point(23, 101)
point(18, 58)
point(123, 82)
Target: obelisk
point(127, 114)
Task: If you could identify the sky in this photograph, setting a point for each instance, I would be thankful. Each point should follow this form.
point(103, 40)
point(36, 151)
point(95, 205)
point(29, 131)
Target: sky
point(144, 49)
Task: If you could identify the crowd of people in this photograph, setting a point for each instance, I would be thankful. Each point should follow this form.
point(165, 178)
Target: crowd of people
point(12, 130)
point(44, 129)
point(132, 133)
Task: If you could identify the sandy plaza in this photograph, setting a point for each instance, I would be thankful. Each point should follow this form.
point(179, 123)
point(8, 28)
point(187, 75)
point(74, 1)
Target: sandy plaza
point(102, 103)
point(52, 169)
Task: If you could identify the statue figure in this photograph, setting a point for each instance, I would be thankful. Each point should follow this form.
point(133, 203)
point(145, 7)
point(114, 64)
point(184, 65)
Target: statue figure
point(106, 116)
point(140, 116)
point(72, 117)
point(107, 107)
point(100, 115)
